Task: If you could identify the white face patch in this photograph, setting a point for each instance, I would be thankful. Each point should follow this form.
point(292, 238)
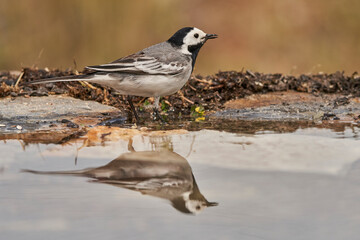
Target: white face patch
point(194, 37)
point(195, 206)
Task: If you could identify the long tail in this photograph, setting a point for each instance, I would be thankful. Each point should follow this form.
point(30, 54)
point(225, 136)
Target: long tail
point(72, 172)
point(70, 78)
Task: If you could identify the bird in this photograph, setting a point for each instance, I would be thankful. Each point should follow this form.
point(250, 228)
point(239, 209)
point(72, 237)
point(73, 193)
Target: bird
point(163, 174)
point(159, 70)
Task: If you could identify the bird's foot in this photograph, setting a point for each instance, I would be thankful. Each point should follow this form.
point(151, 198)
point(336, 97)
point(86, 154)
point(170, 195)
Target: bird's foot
point(158, 116)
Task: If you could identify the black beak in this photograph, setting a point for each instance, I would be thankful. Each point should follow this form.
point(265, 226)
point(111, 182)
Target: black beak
point(211, 36)
point(212, 204)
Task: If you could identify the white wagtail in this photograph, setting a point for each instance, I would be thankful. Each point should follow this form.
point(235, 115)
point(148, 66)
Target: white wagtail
point(159, 70)
point(163, 174)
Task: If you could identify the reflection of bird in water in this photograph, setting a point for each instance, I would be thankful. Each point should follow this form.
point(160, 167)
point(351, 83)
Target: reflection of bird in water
point(162, 174)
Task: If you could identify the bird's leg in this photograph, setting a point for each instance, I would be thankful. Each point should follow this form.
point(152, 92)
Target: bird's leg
point(156, 109)
point(129, 98)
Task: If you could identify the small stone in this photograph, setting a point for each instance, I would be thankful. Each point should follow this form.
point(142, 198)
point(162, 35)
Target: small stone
point(143, 129)
point(65, 121)
point(49, 85)
point(327, 116)
point(318, 115)
point(19, 127)
point(72, 125)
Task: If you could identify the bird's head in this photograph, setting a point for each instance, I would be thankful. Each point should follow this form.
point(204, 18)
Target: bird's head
point(192, 202)
point(187, 205)
point(190, 39)
point(196, 206)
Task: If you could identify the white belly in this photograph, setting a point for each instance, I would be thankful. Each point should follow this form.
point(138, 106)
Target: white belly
point(144, 85)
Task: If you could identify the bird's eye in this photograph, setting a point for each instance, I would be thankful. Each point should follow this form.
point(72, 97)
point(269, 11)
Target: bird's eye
point(196, 35)
point(197, 207)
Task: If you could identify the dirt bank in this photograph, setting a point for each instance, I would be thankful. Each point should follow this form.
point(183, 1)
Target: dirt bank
point(238, 95)
point(212, 92)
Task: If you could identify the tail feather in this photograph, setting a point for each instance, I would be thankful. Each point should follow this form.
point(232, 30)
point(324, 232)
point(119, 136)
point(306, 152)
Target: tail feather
point(63, 79)
point(71, 172)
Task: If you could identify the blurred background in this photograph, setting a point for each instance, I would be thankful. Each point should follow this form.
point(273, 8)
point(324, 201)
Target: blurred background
point(291, 37)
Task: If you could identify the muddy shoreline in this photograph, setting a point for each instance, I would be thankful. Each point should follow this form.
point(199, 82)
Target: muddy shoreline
point(229, 101)
point(212, 91)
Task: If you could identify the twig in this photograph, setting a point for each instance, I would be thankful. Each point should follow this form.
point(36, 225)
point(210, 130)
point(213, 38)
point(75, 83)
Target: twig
point(250, 73)
point(191, 146)
point(194, 89)
point(75, 65)
point(183, 98)
point(38, 58)
point(203, 81)
point(130, 145)
point(19, 78)
point(167, 102)
point(85, 144)
point(106, 99)
point(70, 87)
point(142, 100)
point(84, 83)
point(216, 87)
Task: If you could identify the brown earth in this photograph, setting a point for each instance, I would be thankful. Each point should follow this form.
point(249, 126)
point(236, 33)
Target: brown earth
point(211, 92)
point(261, 100)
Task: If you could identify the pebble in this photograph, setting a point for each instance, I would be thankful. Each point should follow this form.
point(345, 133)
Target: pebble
point(65, 121)
point(72, 125)
point(143, 129)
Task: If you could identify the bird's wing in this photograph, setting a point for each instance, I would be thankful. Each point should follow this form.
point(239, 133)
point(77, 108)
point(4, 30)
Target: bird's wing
point(144, 184)
point(141, 64)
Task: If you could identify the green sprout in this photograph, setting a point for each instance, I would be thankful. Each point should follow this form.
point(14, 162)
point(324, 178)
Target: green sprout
point(146, 102)
point(164, 106)
point(198, 112)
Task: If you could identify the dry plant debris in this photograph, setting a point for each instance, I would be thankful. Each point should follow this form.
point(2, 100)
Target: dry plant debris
point(210, 92)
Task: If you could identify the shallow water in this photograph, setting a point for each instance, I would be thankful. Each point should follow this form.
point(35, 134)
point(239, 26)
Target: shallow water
point(269, 183)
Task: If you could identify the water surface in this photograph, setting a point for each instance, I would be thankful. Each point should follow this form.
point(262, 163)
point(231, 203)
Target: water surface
point(243, 183)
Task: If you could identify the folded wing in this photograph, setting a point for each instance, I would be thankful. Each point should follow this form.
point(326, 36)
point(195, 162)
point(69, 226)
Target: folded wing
point(140, 64)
